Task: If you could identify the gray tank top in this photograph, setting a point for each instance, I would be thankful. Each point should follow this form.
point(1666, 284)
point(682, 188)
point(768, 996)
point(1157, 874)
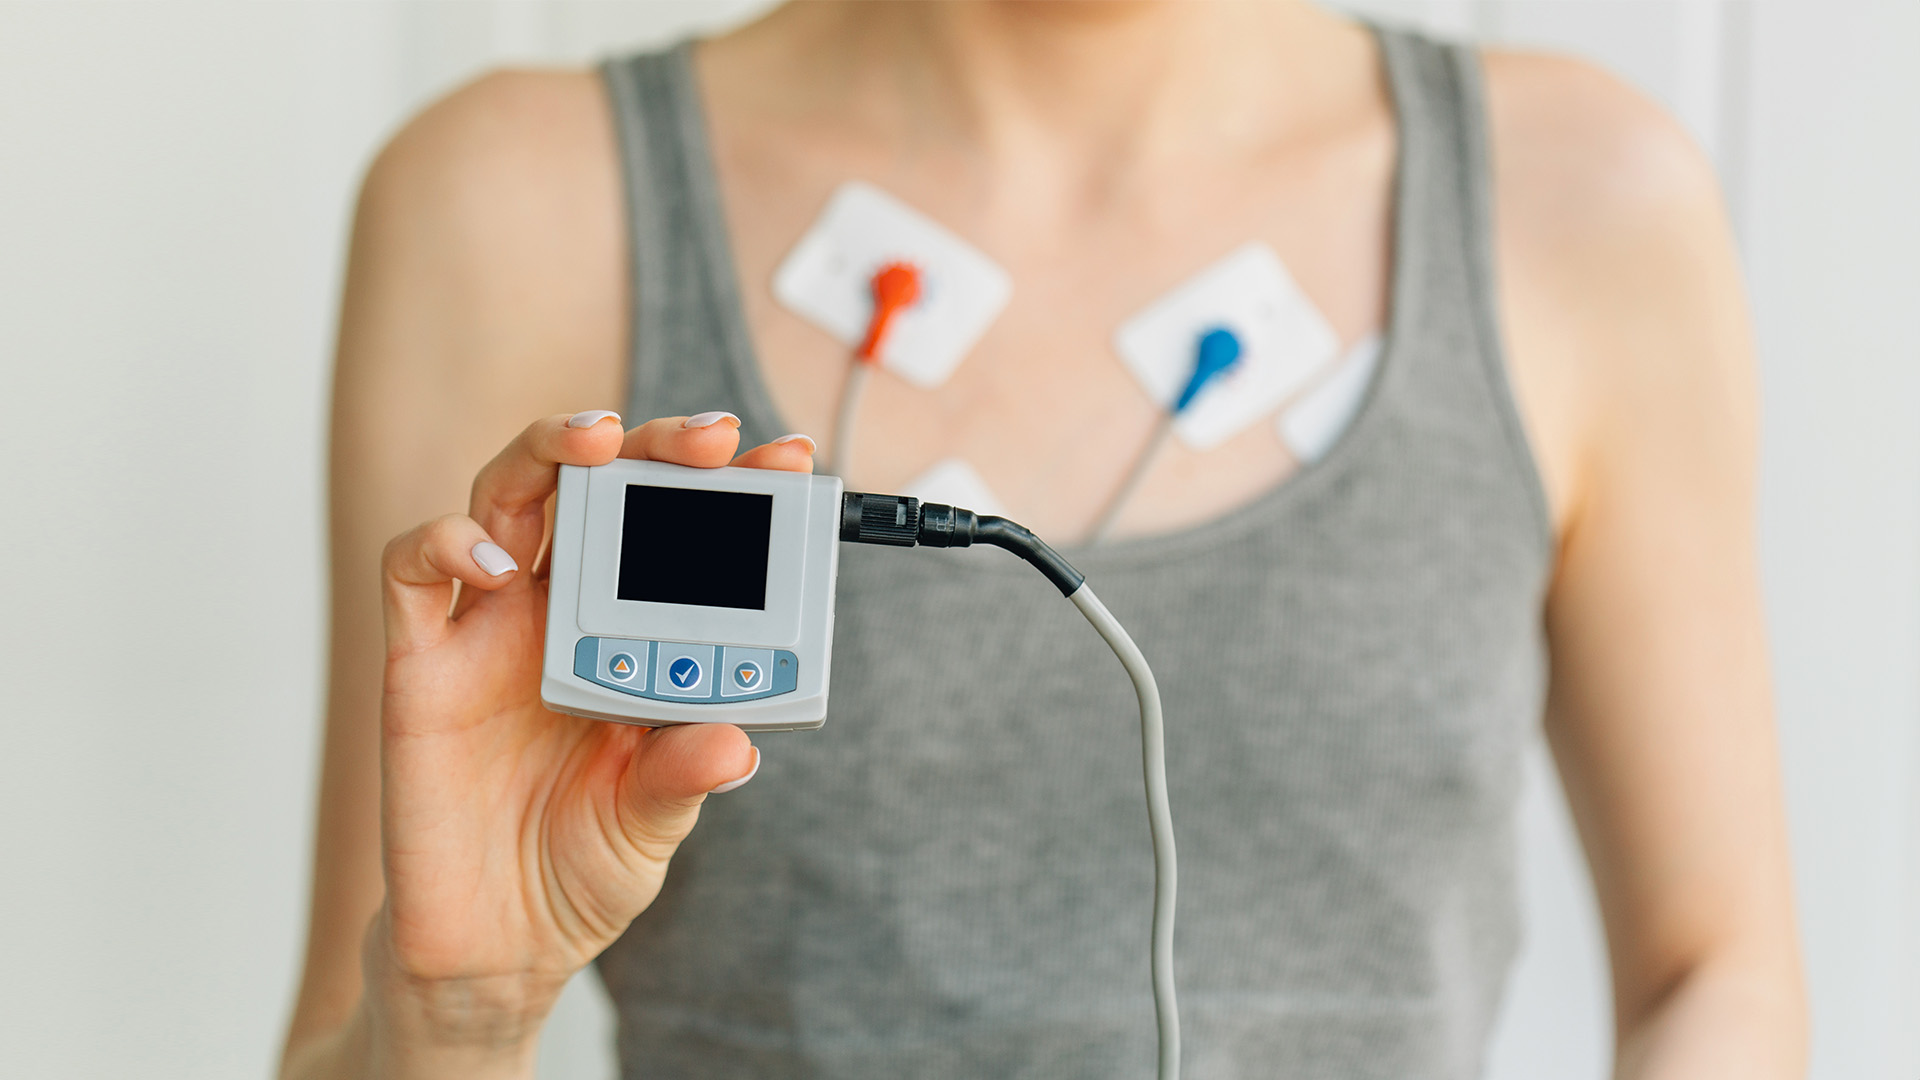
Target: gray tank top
point(952, 878)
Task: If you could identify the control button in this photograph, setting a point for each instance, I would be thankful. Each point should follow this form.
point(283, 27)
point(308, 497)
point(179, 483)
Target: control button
point(745, 672)
point(684, 671)
point(623, 667)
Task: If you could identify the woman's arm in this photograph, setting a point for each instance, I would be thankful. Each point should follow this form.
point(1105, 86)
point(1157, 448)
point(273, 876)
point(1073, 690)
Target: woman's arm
point(485, 286)
point(1628, 330)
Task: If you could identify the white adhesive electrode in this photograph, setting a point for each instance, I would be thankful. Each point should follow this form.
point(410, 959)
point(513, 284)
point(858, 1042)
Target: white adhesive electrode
point(1311, 425)
point(1284, 337)
point(827, 280)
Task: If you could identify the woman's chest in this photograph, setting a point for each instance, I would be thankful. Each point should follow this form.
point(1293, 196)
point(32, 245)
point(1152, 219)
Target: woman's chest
point(1042, 407)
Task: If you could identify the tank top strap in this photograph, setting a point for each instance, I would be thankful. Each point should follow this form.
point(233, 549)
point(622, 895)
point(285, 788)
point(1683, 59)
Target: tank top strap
point(1444, 292)
point(690, 349)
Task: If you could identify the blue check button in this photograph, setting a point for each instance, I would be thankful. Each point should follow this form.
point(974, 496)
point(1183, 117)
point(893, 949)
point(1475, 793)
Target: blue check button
point(684, 671)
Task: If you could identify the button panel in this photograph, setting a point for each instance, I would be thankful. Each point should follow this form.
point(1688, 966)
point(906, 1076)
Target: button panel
point(686, 673)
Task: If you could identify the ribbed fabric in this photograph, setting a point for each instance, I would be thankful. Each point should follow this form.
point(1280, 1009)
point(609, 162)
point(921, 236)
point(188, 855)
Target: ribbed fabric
point(952, 878)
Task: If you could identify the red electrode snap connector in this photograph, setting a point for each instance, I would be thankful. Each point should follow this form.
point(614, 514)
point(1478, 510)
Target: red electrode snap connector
point(896, 287)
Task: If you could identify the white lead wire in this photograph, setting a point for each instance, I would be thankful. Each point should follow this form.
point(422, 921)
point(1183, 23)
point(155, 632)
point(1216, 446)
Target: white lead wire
point(1166, 874)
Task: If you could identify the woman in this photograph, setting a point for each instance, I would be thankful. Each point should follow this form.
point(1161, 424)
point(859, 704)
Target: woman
point(1543, 508)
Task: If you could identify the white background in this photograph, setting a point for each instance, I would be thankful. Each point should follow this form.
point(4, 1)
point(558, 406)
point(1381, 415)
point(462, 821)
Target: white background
point(175, 182)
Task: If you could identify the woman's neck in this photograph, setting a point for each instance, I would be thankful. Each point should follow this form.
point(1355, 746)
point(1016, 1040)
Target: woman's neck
point(1112, 86)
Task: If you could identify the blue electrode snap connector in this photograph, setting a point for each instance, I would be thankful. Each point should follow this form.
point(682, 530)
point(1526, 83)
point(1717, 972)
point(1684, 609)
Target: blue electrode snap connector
point(1216, 354)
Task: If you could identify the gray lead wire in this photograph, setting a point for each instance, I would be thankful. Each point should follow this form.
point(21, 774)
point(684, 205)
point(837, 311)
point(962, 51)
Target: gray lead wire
point(840, 451)
point(1166, 872)
point(1124, 494)
point(900, 521)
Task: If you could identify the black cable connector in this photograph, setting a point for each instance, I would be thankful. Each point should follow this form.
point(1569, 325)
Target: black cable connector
point(899, 521)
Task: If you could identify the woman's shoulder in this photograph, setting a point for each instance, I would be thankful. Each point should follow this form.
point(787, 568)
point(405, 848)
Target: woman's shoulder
point(1574, 142)
point(512, 159)
point(505, 126)
point(495, 216)
point(1615, 262)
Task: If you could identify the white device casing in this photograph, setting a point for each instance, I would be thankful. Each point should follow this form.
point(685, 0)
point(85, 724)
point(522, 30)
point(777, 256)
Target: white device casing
point(827, 279)
point(803, 566)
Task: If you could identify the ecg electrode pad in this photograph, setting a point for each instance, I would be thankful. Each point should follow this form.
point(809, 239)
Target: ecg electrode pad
point(827, 280)
point(682, 595)
point(1284, 337)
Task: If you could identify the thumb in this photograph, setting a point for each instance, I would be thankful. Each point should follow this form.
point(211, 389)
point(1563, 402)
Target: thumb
point(671, 773)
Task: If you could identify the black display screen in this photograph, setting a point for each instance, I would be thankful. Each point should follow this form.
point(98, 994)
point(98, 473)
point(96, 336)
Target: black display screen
point(704, 548)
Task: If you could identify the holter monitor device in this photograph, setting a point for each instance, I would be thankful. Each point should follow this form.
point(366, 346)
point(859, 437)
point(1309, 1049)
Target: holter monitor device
point(687, 596)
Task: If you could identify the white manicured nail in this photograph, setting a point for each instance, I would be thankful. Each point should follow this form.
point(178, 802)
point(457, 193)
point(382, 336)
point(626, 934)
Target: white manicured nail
point(493, 558)
point(797, 437)
point(708, 419)
point(591, 417)
point(732, 784)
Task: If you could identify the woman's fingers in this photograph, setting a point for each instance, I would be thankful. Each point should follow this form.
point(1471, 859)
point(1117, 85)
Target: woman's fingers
point(705, 440)
point(671, 773)
point(417, 573)
point(510, 492)
point(788, 453)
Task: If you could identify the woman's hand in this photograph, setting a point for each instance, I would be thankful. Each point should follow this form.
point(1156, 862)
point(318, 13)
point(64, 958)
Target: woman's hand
point(517, 843)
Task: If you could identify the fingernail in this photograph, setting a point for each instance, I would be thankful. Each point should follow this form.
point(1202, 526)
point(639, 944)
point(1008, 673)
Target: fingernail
point(732, 784)
point(797, 437)
point(591, 417)
point(493, 558)
point(708, 419)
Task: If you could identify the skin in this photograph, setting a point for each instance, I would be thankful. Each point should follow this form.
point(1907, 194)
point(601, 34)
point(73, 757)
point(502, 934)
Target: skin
point(474, 850)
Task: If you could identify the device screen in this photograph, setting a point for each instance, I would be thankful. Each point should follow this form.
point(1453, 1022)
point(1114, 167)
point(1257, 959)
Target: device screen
point(688, 546)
